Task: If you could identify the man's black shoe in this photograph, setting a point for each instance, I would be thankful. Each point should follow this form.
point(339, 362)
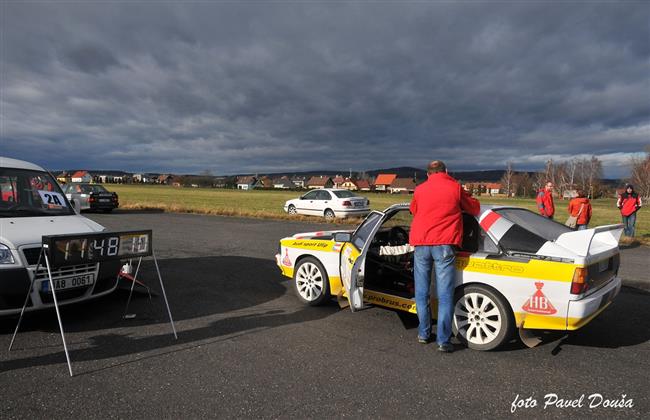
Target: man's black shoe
point(446, 348)
point(423, 340)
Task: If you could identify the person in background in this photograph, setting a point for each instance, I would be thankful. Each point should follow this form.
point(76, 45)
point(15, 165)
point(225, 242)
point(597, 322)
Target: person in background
point(629, 203)
point(436, 232)
point(580, 207)
point(545, 201)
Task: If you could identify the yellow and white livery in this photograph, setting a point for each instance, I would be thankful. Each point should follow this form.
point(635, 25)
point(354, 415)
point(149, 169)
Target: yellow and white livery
point(515, 269)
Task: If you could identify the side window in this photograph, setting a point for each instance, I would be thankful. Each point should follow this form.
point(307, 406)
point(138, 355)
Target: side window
point(474, 237)
point(310, 195)
point(324, 195)
point(8, 190)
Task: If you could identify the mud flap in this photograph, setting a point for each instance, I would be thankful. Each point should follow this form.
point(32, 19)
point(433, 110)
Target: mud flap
point(529, 337)
point(342, 300)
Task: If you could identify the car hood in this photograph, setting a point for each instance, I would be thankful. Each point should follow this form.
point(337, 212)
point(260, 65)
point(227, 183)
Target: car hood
point(323, 234)
point(20, 231)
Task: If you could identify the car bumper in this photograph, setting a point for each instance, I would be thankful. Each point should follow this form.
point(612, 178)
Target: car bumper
point(582, 311)
point(15, 284)
point(352, 212)
point(286, 271)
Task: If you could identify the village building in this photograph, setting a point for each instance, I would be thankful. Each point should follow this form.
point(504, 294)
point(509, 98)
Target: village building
point(384, 181)
point(247, 183)
point(320, 182)
point(81, 176)
point(283, 183)
point(402, 186)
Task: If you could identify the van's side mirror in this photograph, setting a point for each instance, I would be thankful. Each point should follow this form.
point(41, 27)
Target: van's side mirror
point(342, 237)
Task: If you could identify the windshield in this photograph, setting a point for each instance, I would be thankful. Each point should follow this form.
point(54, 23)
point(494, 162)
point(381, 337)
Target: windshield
point(532, 222)
point(344, 194)
point(27, 193)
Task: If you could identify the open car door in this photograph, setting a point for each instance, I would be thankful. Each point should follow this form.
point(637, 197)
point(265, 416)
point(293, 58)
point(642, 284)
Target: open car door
point(353, 254)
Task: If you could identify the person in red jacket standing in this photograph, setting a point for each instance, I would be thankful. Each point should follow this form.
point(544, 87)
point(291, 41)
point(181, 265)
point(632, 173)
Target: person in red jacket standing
point(545, 201)
point(580, 207)
point(629, 202)
point(436, 230)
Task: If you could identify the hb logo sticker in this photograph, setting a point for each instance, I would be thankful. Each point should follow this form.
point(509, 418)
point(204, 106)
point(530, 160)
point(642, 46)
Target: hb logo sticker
point(538, 303)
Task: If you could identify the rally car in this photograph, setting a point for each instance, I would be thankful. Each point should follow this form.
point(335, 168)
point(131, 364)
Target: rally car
point(515, 269)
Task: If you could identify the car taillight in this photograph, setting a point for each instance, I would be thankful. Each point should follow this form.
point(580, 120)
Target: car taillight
point(579, 284)
point(346, 203)
point(114, 197)
point(91, 199)
point(368, 202)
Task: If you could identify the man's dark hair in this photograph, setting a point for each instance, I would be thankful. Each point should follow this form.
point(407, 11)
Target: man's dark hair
point(580, 193)
point(436, 166)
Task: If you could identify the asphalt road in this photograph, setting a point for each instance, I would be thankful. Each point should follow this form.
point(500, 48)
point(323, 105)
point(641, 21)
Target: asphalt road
point(247, 348)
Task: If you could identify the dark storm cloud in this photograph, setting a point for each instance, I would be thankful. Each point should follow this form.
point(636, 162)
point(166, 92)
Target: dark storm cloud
point(257, 87)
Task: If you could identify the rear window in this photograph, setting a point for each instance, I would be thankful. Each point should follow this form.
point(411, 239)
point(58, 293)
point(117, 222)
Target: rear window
point(344, 194)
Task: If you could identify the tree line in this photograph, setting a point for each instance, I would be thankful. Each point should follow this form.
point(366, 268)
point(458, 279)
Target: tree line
point(570, 175)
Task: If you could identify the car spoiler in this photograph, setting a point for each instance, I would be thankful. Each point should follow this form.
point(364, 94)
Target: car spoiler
point(581, 242)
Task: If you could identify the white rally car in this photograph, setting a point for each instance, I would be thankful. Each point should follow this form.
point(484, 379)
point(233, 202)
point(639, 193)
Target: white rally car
point(516, 269)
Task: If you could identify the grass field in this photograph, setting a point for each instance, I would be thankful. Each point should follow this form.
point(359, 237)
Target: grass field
point(268, 204)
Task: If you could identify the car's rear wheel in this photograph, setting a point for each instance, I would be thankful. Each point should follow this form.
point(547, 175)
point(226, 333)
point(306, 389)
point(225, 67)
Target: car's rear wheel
point(311, 282)
point(292, 209)
point(329, 214)
point(482, 318)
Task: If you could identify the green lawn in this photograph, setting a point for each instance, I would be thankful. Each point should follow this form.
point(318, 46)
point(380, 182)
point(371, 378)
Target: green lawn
point(259, 203)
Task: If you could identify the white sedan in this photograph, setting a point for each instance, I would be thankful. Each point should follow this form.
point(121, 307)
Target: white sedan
point(329, 203)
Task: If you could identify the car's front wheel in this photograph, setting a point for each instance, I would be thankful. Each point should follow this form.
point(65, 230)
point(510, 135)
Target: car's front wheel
point(482, 318)
point(292, 209)
point(311, 282)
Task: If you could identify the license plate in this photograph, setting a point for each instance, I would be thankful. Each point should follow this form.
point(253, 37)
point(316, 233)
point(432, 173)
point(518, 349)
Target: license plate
point(603, 265)
point(358, 204)
point(104, 200)
point(68, 282)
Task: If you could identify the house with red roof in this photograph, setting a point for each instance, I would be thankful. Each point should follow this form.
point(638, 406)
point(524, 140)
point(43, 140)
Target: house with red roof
point(320, 182)
point(81, 176)
point(384, 181)
point(402, 186)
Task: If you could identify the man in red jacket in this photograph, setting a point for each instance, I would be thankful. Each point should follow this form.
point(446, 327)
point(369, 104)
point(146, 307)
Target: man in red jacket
point(436, 230)
point(545, 201)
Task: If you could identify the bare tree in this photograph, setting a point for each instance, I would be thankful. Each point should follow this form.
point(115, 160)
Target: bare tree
point(640, 176)
point(507, 179)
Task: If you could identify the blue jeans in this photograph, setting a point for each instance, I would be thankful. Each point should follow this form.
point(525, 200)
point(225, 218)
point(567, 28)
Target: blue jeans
point(628, 224)
point(443, 258)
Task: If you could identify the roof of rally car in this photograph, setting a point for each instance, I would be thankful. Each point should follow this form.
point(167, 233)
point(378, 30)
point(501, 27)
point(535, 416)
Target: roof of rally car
point(405, 206)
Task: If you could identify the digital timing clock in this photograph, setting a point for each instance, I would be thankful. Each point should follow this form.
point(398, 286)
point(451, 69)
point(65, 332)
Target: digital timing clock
point(90, 248)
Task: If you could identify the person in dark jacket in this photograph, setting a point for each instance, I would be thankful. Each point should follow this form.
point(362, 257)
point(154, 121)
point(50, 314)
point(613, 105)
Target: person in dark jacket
point(436, 230)
point(544, 200)
point(580, 207)
point(629, 203)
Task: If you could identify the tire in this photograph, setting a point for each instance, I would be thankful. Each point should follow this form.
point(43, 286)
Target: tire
point(292, 209)
point(483, 319)
point(310, 282)
point(329, 214)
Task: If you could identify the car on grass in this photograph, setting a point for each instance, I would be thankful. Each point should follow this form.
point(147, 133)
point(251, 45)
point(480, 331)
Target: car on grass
point(329, 203)
point(92, 197)
point(32, 205)
point(515, 270)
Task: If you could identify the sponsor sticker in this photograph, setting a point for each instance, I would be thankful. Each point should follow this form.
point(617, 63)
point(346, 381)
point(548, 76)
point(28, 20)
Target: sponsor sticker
point(286, 260)
point(538, 303)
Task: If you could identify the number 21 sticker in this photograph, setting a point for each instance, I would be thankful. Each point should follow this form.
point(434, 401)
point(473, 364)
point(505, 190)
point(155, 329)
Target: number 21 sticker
point(52, 199)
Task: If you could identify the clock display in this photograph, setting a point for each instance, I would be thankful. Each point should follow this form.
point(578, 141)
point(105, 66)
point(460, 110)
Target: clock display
point(89, 248)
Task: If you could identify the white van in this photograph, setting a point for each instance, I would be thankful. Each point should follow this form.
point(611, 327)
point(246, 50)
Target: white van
point(32, 205)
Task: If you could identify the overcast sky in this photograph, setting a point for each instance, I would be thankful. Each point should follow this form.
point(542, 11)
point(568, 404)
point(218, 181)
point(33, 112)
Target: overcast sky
point(235, 87)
